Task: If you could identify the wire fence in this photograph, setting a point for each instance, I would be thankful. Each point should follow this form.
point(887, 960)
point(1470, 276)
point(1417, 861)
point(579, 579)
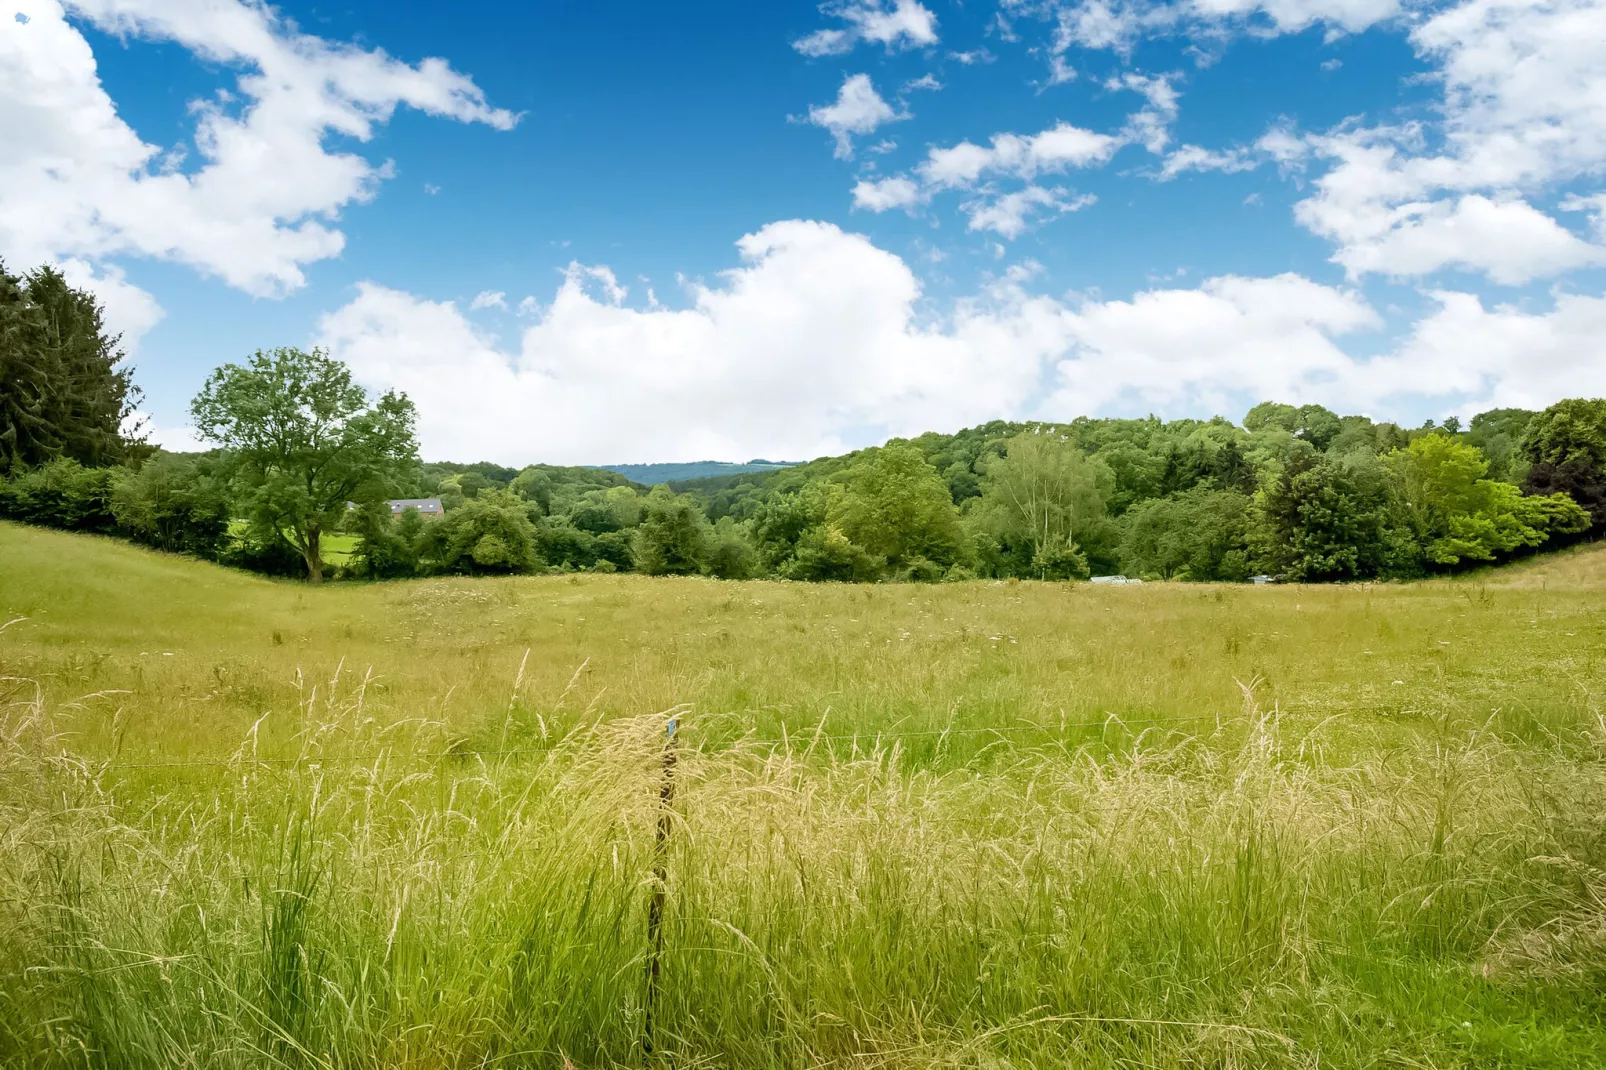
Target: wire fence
point(714, 741)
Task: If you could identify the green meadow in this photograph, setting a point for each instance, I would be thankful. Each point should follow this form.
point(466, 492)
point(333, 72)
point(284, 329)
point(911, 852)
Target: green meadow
point(445, 822)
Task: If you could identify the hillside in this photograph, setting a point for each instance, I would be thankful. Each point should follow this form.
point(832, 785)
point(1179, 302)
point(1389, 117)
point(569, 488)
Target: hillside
point(680, 472)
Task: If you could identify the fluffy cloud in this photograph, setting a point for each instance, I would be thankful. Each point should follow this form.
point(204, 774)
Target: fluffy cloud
point(1009, 214)
point(1509, 240)
point(879, 195)
point(900, 24)
point(128, 310)
point(1524, 110)
point(968, 166)
point(77, 182)
point(489, 299)
point(1194, 158)
point(819, 340)
point(815, 338)
point(1118, 25)
point(1504, 356)
point(1056, 149)
point(1193, 349)
point(858, 109)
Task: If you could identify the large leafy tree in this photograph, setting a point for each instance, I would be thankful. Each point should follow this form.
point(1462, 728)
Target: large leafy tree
point(895, 505)
point(305, 442)
point(674, 538)
point(1566, 449)
point(1319, 517)
point(1041, 495)
point(1466, 517)
point(65, 391)
point(1199, 534)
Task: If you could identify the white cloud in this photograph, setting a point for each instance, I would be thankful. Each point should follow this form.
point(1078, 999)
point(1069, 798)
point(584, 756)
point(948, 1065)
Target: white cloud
point(181, 439)
point(1194, 158)
point(814, 338)
point(128, 310)
point(1504, 357)
point(1119, 25)
point(1058, 148)
point(489, 299)
point(858, 109)
point(818, 342)
point(1009, 214)
point(1510, 241)
point(1524, 110)
point(900, 24)
point(977, 168)
point(896, 192)
point(924, 82)
point(1195, 349)
point(1150, 126)
point(77, 182)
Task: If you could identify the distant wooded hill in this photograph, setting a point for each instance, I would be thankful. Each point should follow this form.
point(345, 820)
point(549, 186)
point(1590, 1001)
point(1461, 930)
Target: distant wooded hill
point(653, 474)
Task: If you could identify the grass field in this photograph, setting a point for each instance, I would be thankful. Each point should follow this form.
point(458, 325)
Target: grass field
point(248, 823)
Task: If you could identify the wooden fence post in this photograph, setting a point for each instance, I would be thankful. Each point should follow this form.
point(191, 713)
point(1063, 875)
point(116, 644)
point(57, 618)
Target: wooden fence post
point(660, 881)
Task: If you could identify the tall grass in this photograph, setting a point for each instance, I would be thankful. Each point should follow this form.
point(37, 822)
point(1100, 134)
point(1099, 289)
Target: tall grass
point(1313, 874)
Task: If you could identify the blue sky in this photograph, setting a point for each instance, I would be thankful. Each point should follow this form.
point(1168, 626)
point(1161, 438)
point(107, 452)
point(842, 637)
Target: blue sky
point(590, 233)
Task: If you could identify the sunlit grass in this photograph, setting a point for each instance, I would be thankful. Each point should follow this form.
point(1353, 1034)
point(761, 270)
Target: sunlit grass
point(965, 825)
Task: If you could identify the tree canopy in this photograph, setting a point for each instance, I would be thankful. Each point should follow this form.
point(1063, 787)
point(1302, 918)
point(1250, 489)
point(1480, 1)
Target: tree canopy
point(65, 391)
point(305, 443)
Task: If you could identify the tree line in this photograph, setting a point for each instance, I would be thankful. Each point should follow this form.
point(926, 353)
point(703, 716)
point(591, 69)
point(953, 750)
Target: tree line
point(303, 453)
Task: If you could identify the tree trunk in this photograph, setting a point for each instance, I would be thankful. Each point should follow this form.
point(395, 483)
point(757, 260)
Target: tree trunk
point(314, 558)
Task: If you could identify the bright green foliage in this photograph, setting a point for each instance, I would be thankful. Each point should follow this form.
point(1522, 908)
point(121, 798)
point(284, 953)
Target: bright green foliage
point(1568, 431)
point(1467, 517)
point(62, 392)
point(1199, 534)
point(173, 502)
point(674, 538)
point(490, 533)
point(897, 506)
point(305, 442)
point(1039, 496)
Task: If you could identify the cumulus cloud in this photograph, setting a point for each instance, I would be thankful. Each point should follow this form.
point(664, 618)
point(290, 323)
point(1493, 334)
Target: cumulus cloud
point(858, 109)
point(815, 337)
point(1119, 24)
point(489, 299)
point(1524, 110)
point(897, 25)
point(1058, 148)
point(128, 310)
point(77, 182)
point(879, 195)
point(1187, 349)
point(972, 167)
point(820, 341)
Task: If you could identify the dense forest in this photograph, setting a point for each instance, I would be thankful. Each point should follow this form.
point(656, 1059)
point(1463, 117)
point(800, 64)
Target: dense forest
point(1294, 493)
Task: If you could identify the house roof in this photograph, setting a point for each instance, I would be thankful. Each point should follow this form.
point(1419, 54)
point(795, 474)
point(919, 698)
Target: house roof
point(423, 505)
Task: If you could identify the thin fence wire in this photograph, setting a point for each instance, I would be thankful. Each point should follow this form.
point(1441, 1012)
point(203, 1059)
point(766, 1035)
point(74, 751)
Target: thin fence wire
point(802, 736)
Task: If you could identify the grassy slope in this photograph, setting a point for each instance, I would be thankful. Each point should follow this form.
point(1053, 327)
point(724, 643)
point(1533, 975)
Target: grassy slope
point(1353, 876)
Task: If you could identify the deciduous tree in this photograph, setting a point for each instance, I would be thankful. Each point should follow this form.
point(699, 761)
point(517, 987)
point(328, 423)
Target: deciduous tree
point(305, 442)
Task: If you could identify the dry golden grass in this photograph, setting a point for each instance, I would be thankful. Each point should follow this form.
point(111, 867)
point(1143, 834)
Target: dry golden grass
point(976, 825)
